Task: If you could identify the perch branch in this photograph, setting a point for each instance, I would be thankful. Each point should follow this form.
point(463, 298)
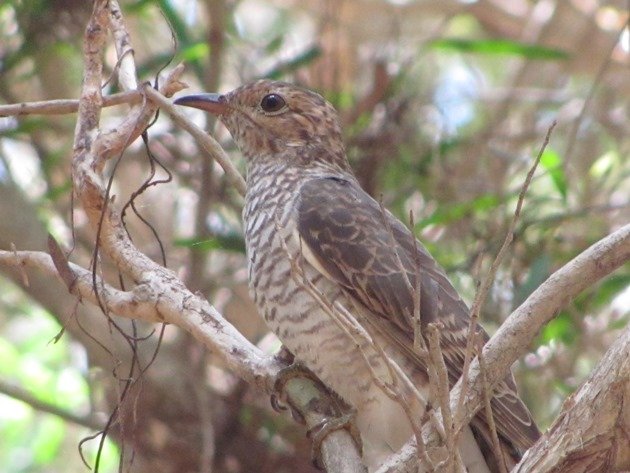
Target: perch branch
point(172, 302)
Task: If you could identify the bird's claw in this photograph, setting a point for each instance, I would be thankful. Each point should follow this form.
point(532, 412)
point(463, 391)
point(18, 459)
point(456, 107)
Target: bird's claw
point(318, 433)
point(278, 402)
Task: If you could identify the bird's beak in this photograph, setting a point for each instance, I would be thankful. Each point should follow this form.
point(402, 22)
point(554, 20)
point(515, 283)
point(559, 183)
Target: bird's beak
point(213, 103)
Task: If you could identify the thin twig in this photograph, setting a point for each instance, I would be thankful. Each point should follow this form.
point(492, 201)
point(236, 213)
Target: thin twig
point(207, 143)
point(418, 342)
point(439, 372)
point(487, 396)
point(482, 293)
point(64, 106)
point(572, 138)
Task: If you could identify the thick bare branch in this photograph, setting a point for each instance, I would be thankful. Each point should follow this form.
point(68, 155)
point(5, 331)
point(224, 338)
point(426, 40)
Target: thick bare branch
point(132, 304)
point(592, 432)
point(163, 298)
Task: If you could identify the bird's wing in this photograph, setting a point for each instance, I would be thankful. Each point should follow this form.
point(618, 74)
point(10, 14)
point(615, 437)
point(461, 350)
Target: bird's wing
point(370, 252)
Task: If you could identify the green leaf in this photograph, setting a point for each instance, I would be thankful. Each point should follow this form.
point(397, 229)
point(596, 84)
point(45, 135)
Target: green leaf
point(485, 202)
point(604, 165)
point(274, 45)
point(10, 357)
point(619, 323)
point(246, 415)
point(47, 439)
point(538, 272)
point(56, 192)
point(452, 213)
point(26, 125)
point(563, 388)
point(342, 99)
point(561, 329)
point(551, 162)
point(610, 288)
point(498, 46)
point(229, 242)
point(195, 52)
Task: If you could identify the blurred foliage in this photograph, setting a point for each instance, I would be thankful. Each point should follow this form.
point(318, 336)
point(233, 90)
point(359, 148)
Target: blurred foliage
point(444, 105)
point(33, 355)
point(498, 46)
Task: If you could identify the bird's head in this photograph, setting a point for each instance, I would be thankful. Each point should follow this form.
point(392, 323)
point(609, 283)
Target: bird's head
point(271, 120)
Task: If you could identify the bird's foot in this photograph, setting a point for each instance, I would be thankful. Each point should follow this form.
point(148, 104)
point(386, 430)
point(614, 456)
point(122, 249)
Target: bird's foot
point(331, 410)
point(278, 398)
point(318, 433)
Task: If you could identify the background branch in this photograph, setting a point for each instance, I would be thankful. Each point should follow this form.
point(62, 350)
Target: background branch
point(23, 395)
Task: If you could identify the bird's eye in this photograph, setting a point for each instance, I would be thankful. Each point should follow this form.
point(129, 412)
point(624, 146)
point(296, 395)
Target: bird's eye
point(272, 103)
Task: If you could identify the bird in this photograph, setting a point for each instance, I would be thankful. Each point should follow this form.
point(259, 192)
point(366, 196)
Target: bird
point(318, 245)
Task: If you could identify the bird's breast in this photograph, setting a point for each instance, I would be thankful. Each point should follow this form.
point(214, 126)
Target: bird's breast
point(282, 283)
point(296, 300)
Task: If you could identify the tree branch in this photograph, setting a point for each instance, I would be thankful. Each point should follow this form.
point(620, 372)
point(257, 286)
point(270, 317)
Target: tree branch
point(134, 304)
point(516, 334)
point(158, 295)
point(205, 141)
point(20, 394)
point(63, 106)
point(172, 301)
point(592, 432)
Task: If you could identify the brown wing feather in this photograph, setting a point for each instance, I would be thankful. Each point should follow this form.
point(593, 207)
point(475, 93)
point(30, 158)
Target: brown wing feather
point(350, 236)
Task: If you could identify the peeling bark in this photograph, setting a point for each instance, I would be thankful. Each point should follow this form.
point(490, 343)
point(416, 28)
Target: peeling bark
point(592, 432)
